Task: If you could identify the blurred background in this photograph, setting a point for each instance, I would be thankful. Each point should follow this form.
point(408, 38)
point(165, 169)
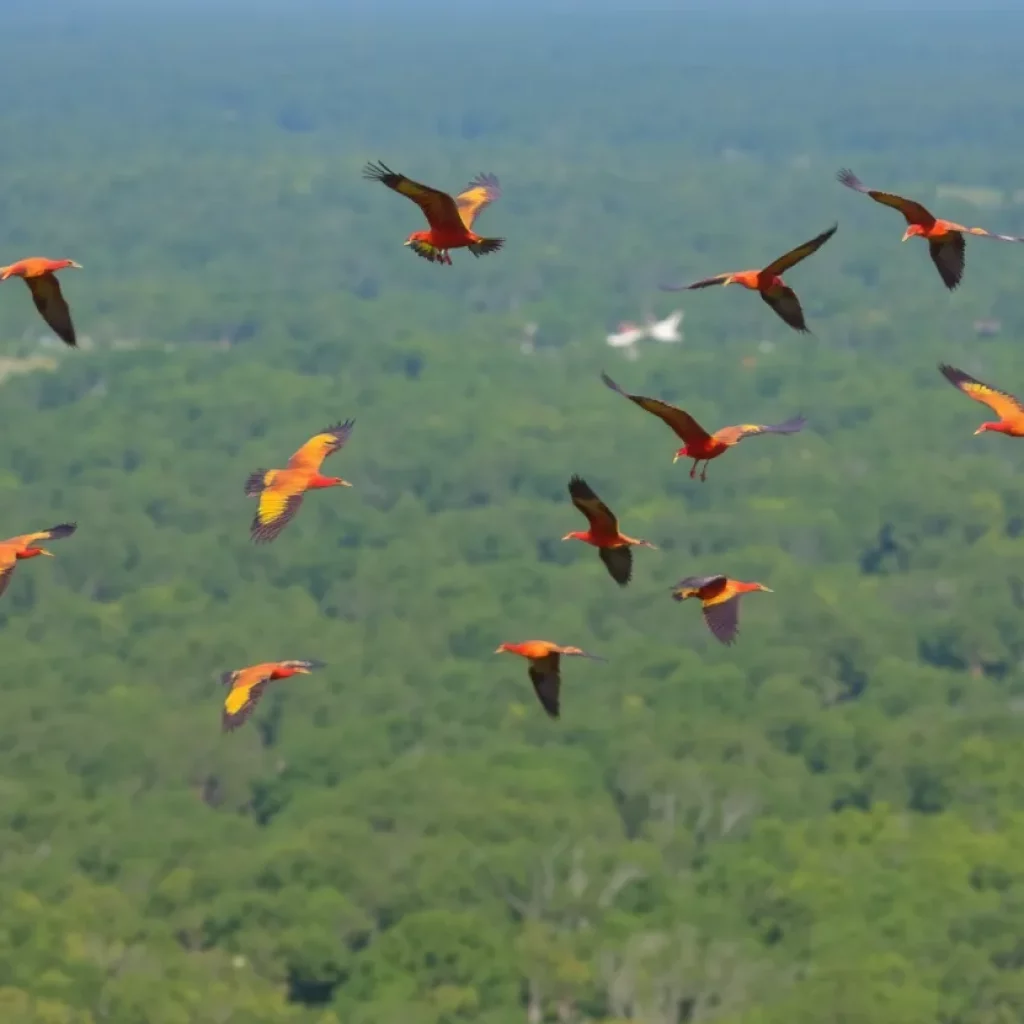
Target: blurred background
point(820, 825)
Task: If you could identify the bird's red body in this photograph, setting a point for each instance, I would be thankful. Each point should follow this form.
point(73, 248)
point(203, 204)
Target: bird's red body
point(699, 444)
point(768, 283)
point(450, 218)
point(604, 534)
point(39, 274)
point(545, 668)
point(719, 597)
point(945, 238)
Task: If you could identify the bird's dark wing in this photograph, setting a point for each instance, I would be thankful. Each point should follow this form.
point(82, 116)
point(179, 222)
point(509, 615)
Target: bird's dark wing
point(275, 511)
point(49, 300)
point(707, 282)
point(693, 585)
point(682, 423)
point(240, 704)
point(598, 514)
point(787, 307)
point(948, 255)
point(914, 212)
point(618, 562)
point(801, 252)
point(7, 567)
point(438, 207)
point(723, 619)
point(547, 683)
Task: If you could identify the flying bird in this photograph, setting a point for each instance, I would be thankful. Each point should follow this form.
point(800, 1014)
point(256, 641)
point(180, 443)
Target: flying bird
point(27, 545)
point(768, 282)
point(450, 219)
point(1007, 407)
point(699, 444)
point(612, 546)
point(946, 244)
point(247, 686)
point(281, 490)
point(40, 275)
point(545, 670)
point(720, 601)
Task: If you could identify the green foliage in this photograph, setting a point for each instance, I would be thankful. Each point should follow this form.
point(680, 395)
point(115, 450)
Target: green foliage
point(820, 824)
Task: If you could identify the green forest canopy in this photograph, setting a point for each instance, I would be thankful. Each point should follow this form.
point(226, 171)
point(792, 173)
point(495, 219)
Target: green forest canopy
point(820, 824)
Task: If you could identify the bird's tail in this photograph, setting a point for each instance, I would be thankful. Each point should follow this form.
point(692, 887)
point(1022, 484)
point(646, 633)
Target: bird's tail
point(255, 483)
point(486, 245)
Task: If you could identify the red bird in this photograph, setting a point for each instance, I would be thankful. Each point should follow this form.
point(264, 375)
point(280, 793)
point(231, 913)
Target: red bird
point(17, 549)
point(768, 282)
point(247, 686)
point(1006, 406)
point(39, 274)
point(700, 445)
point(545, 672)
point(451, 220)
point(720, 601)
point(613, 547)
point(946, 244)
point(281, 490)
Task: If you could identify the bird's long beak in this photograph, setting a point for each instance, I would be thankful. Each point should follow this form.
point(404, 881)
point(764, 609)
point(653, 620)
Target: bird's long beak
point(344, 483)
point(906, 235)
point(980, 430)
point(728, 280)
point(74, 266)
point(675, 458)
point(5, 273)
point(568, 536)
point(43, 551)
point(500, 650)
point(768, 590)
point(408, 241)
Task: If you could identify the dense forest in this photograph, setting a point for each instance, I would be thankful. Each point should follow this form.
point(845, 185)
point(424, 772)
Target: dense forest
point(822, 824)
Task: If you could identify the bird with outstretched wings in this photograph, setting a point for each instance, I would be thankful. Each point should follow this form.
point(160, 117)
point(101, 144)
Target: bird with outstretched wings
point(281, 491)
point(27, 544)
point(247, 686)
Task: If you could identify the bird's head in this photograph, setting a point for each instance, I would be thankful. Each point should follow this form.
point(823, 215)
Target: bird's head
point(760, 586)
point(683, 453)
point(68, 265)
point(416, 236)
point(34, 552)
point(912, 232)
point(6, 272)
point(575, 535)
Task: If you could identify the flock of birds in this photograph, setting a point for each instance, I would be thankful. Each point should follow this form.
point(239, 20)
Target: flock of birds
point(450, 219)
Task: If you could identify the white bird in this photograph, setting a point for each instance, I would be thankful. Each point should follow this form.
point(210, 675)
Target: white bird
point(666, 330)
point(626, 338)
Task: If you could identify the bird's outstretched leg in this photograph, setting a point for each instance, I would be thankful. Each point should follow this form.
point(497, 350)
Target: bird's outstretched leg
point(693, 471)
point(704, 473)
